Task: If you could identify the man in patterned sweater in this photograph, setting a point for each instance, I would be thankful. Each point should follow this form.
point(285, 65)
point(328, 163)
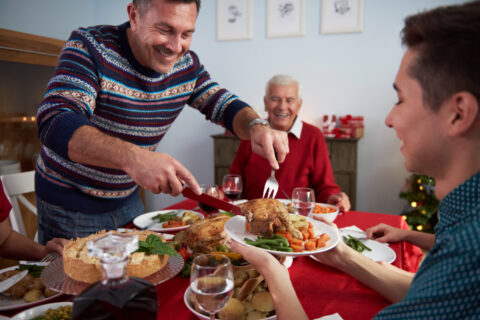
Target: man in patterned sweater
point(115, 93)
point(437, 119)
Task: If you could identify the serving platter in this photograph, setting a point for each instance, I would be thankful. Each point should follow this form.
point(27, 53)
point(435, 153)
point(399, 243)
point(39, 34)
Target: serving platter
point(235, 228)
point(143, 220)
point(55, 278)
point(8, 303)
point(186, 300)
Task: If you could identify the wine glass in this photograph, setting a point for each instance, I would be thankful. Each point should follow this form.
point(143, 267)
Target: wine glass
point(232, 186)
point(211, 190)
point(303, 200)
point(211, 282)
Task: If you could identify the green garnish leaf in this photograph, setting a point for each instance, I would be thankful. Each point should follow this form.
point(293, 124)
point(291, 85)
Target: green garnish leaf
point(155, 245)
point(33, 269)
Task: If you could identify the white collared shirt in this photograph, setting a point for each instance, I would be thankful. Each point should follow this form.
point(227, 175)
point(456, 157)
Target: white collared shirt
point(296, 128)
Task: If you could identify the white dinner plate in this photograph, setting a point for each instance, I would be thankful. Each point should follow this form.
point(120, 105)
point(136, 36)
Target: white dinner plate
point(380, 251)
point(235, 228)
point(39, 310)
point(145, 219)
point(8, 303)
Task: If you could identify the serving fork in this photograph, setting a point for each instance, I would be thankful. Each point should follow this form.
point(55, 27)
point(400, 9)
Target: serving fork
point(271, 186)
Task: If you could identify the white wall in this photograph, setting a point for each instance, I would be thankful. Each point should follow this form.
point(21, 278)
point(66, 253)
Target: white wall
point(340, 74)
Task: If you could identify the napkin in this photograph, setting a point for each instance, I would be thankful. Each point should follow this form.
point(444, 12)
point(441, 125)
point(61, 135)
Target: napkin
point(334, 316)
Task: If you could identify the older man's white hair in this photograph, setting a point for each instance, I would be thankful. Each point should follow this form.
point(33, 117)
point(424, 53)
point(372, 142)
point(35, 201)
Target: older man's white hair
point(283, 80)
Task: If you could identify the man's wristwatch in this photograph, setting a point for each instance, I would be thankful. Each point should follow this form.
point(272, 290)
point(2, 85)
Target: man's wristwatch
point(259, 121)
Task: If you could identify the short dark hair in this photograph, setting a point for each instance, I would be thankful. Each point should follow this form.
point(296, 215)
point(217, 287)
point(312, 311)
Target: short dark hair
point(447, 40)
point(142, 4)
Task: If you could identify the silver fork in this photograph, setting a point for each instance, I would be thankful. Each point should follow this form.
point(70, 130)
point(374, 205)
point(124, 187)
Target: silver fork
point(271, 186)
point(50, 257)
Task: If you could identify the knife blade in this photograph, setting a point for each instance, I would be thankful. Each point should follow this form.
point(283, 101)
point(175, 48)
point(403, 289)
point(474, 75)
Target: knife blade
point(7, 283)
point(212, 201)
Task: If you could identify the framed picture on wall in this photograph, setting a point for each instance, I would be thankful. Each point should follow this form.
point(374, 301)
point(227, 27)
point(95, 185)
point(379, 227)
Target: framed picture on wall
point(285, 18)
point(234, 20)
point(341, 16)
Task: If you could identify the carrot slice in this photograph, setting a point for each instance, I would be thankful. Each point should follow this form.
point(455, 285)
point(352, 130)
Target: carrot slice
point(297, 242)
point(296, 248)
point(310, 245)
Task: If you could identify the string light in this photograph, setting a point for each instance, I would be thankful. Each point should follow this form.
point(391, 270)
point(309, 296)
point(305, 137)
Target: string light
point(421, 187)
point(419, 227)
point(419, 181)
point(404, 217)
point(413, 204)
point(424, 211)
point(24, 118)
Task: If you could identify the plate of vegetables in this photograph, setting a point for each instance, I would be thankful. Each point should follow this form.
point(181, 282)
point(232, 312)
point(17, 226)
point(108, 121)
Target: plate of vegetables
point(167, 220)
point(317, 237)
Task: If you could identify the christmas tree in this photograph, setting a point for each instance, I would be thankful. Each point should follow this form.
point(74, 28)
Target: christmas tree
point(421, 210)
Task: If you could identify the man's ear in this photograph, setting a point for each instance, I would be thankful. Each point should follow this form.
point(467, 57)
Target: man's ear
point(133, 14)
point(464, 109)
point(265, 103)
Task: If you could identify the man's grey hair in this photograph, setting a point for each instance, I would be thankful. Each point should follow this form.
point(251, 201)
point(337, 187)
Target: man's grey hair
point(283, 80)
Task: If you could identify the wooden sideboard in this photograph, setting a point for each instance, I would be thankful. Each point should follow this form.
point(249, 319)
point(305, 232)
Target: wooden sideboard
point(27, 61)
point(342, 152)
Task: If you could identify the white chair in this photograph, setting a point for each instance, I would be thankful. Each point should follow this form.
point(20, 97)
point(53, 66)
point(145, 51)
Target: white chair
point(15, 185)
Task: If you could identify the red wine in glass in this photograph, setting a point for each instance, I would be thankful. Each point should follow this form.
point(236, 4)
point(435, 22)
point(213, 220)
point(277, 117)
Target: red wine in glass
point(233, 194)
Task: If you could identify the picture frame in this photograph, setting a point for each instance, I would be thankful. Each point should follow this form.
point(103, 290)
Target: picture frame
point(234, 20)
point(285, 18)
point(341, 16)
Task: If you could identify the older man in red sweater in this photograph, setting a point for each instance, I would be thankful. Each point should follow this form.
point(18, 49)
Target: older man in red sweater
point(307, 164)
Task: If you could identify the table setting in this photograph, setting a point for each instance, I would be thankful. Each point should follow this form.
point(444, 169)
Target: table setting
point(325, 293)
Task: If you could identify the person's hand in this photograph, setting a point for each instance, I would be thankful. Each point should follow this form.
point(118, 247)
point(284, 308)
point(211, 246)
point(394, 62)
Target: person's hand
point(56, 245)
point(160, 172)
point(269, 143)
point(340, 200)
point(334, 256)
point(385, 233)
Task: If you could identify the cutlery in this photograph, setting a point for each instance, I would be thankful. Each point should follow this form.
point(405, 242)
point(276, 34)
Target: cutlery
point(271, 186)
point(212, 201)
point(6, 284)
point(150, 225)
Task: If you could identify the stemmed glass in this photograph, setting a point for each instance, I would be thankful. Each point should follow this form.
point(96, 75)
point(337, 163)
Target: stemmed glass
point(211, 190)
point(232, 186)
point(211, 282)
point(303, 200)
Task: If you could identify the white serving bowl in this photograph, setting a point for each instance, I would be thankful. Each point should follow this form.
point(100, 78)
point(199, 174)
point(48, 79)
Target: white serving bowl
point(186, 300)
point(331, 216)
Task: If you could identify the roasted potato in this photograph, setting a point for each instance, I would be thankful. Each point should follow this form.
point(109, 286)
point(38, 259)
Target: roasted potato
point(233, 310)
point(262, 301)
point(32, 295)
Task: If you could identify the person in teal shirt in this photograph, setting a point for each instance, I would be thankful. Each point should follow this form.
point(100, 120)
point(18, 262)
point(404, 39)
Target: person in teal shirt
point(437, 119)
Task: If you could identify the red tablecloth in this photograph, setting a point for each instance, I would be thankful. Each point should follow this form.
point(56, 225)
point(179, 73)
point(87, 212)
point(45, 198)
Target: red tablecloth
point(322, 290)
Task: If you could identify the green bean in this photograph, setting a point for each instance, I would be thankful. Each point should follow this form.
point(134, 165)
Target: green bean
point(277, 242)
point(355, 244)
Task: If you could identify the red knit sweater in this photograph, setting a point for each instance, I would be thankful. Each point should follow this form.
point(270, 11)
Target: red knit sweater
point(307, 165)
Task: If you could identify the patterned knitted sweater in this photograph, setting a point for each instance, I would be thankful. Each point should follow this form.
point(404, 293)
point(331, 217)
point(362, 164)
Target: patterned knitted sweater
point(98, 82)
